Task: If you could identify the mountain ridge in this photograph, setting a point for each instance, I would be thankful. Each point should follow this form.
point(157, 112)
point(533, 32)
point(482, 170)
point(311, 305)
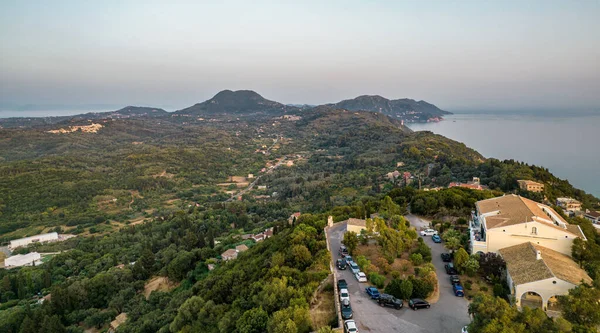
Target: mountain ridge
point(405, 109)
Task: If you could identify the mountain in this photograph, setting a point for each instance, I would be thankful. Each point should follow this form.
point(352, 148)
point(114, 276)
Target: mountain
point(405, 109)
point(126, 112)
point(240, 102)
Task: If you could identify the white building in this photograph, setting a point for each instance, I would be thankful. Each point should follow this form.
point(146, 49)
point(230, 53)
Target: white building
point(42, 238)
point(511, 220)
point(23, 260)
point(536, 275)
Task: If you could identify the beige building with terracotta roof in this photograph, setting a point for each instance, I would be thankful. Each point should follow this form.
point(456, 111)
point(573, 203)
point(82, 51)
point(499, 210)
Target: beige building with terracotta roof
point(530, 185)
point(536, 274)
point(511, 220)
point(229, 254)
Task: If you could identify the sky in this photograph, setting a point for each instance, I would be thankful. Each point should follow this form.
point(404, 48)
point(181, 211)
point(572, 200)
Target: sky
point(459, 55)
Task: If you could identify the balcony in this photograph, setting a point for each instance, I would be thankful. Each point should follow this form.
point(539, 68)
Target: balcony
point(477, 235)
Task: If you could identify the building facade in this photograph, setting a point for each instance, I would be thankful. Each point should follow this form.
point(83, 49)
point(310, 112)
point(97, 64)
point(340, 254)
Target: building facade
point(536, 275)
point(510, 220)
point(569, 204)
point(529, 185)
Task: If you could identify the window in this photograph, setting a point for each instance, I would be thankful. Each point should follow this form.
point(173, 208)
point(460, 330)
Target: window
point(534, 230)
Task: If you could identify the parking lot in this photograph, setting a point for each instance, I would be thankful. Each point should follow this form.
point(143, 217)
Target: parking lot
point(448, 314)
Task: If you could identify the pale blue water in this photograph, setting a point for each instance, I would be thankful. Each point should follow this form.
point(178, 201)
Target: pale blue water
point(569, 146)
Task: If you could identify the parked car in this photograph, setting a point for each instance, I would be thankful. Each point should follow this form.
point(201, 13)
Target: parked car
point(341, 264)
point(346, 310)
point(348, 259)
point(465, 329)
point(454, 279)
point(458, 290)
point(436, 239)
point(343, 251)
point(360, 277)
point(354, 268)
point(450, 269)
point(344, 295)
point(446, 257)
point(428, 232)
point(341, 284)
point(373, 292)
point(389, 300)
point(350, 326)
point(417, 303)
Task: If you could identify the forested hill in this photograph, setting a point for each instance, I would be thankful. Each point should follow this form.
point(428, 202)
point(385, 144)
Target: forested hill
point(406, 109)
point(126, 112)
point(161, 198)
point(236, 102)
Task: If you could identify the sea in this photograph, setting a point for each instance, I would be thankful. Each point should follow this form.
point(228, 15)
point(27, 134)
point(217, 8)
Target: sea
point(567, 144)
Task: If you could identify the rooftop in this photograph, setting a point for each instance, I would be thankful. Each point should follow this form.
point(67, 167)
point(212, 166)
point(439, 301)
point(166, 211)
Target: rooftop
point(241, 248)
point(513, 209)
point(229, 253)
point(357, 222)
point(524, 267)
point(593, 214)
point(529, 182)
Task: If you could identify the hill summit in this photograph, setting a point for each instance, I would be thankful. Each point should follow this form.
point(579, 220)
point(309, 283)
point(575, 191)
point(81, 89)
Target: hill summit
point(406, 109)
point(236, 102)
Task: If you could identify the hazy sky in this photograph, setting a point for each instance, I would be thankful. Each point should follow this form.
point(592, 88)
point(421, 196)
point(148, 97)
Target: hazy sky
point(455, 54)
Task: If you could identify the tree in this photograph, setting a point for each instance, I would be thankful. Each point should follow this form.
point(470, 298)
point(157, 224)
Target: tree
point(406, 289)
point(351, 241)
point(451, 238)
point(28, 326)
point(394, 288)
point(460, 258)
point(325, 329)
point(491, 264)
point(52, 324)
point(253, 321)
point(281, 322)
point(416, 259)
point(581, 306)
point(471, 266)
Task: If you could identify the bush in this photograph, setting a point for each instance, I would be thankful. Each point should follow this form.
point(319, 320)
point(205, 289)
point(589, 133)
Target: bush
point(499, 290)
point(484, 288)
point(424, 251)
point(416, 259)
point(394, 288)
point(377, 279)
point(421, 288)
point(468, 285)
point(396, 274)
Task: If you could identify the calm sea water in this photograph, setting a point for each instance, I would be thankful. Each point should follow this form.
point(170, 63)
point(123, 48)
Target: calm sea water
point(568, 146)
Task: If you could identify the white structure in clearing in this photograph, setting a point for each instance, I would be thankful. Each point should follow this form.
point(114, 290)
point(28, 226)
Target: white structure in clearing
point(42, 238)
point(23, 260)
point(511, 220)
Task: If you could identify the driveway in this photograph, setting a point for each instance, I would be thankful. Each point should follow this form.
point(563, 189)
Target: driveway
point(449, 314)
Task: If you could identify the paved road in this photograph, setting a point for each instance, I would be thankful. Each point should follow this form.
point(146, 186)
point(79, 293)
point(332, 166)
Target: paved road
point(449, 314)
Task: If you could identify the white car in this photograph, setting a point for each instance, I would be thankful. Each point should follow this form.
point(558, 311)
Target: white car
point(428, 232)
point(350, 326)
point(354, 267)
point(465, 329)
point(344, 294)
point(361, 277)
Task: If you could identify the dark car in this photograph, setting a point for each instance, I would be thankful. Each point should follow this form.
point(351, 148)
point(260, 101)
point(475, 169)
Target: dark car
point(346, 310)
point(343, 251)
point(450, 269)
point(454, 279)
point(373, 292)
point(458, 290)
point(340, 264)
point(446, 257)
point(389, 300)
point(417, 303)
point(341, 284)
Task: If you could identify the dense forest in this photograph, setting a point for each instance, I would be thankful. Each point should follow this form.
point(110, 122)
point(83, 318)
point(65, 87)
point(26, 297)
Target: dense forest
point(152, 198)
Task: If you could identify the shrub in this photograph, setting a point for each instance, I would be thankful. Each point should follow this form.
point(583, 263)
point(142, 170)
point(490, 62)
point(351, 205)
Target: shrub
point(499, 290)
point(484, 288)
point(377, 279)
point(396, 274)
point(468, 285)
point(416, 259)
point(421, 288)
point(394, 288)
point(406, 289)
